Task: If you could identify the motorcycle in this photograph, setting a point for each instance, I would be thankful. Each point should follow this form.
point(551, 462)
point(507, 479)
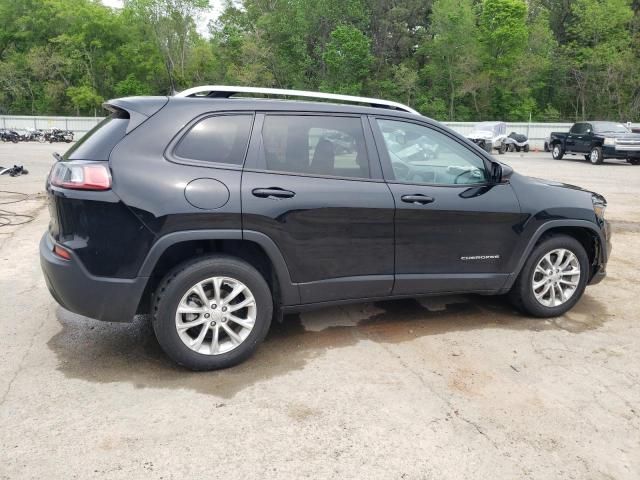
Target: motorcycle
point(58, 135)
point(7, 135)
point(34, 135)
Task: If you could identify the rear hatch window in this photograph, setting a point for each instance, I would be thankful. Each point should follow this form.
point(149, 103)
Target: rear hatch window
point(98, 142)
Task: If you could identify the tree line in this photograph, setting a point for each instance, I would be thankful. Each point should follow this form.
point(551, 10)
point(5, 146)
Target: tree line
point(457, 60)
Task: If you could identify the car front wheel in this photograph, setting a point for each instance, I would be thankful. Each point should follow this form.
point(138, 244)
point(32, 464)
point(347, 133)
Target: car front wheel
point(595, 157)
point(553, 278)
point(212, 312)
point(557, 152)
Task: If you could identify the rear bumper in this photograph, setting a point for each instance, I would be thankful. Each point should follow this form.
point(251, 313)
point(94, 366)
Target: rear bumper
point(102, 298)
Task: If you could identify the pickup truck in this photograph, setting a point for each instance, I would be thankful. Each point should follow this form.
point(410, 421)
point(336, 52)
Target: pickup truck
point(597, 141)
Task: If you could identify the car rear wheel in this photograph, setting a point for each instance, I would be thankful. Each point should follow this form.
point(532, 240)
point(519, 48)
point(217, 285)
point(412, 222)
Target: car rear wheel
point(212, 312)
point(556, 151)
point(553, 278)
point(595, 157)
point(502, 149)
point(526, 148)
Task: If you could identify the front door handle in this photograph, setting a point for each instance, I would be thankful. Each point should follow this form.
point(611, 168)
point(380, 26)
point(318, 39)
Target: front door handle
point(272, 192)
point(419, 199)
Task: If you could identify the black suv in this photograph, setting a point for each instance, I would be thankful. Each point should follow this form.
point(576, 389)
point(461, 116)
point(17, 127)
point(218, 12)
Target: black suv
point(215, 214)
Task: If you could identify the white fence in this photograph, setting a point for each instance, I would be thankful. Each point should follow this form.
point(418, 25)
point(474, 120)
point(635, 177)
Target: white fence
point(79, 125)
point(537, 132)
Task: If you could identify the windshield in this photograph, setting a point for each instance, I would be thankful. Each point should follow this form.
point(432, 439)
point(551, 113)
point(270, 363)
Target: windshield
point(609, 127)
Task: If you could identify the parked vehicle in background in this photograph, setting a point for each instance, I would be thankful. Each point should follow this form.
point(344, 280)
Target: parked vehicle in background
point(215, 214)
point(7, 135)
point(489, 136)
point(34, 135)
point(546, 144)
point(517, 142)
point(597, 141)
point(58, 135)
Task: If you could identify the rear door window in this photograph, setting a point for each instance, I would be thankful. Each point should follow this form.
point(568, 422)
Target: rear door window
point(219, 139)
point(315, 145)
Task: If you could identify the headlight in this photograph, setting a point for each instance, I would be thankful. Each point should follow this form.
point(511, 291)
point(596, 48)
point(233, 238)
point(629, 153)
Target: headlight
point(610, 141)
point(599, 205)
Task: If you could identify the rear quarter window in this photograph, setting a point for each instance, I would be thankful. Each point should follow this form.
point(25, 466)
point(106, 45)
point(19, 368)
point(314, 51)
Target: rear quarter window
point(219, 139)
point(98, 142)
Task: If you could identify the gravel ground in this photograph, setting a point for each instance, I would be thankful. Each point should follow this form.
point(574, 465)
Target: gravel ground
point(446, 388)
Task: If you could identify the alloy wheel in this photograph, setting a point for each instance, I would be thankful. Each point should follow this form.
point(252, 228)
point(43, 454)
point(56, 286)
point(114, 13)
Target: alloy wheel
point(216, 315)
point(556, 277)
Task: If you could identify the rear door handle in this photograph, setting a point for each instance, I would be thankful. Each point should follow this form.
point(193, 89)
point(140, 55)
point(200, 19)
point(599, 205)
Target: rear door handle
point(419, 199)
point(272, 192)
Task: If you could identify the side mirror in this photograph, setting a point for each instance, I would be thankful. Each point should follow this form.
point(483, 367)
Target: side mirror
point(500, 172)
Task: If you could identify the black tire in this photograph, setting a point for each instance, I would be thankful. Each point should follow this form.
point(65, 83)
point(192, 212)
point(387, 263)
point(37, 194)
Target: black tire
point(557, 152)
point(586, 157)
point(177, 282)
point(595, 156)
point(546, 146)
point(502, 149)
point(521, 294)
point(488, 146)
point(526, 148)
point(634, 161)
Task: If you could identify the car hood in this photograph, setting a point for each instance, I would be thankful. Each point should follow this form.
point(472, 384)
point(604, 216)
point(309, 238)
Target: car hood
point(635, 137)
point(568, 186)
point(553, 183)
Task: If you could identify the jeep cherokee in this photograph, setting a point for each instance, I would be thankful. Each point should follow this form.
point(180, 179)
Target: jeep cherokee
point(215, 213)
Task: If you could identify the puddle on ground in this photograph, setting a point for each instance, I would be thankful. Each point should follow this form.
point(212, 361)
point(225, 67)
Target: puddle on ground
point(111, 352)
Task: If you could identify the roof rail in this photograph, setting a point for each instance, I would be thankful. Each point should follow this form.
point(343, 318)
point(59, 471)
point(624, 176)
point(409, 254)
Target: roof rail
point(224, 91)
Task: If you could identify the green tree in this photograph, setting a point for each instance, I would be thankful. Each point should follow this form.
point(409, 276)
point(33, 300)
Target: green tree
point(84, 98)
point(503, 36)
point(453, 51)
point(600, 57)
point(348, 60)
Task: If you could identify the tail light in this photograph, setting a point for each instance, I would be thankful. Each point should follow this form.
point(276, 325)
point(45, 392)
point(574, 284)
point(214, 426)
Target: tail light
point(81, 176)
point(61, 252)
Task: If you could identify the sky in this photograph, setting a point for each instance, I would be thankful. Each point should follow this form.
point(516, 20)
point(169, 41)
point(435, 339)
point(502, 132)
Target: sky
point(216, 8)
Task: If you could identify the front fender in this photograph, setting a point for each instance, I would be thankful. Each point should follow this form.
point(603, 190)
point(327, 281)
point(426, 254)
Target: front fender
point(555, 224)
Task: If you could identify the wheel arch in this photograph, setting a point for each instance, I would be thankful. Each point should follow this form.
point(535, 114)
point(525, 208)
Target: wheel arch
point(582, 230)
point(253, 247)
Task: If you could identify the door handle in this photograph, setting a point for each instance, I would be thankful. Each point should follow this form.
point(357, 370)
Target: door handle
point(418, 199)
point(272, 192)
